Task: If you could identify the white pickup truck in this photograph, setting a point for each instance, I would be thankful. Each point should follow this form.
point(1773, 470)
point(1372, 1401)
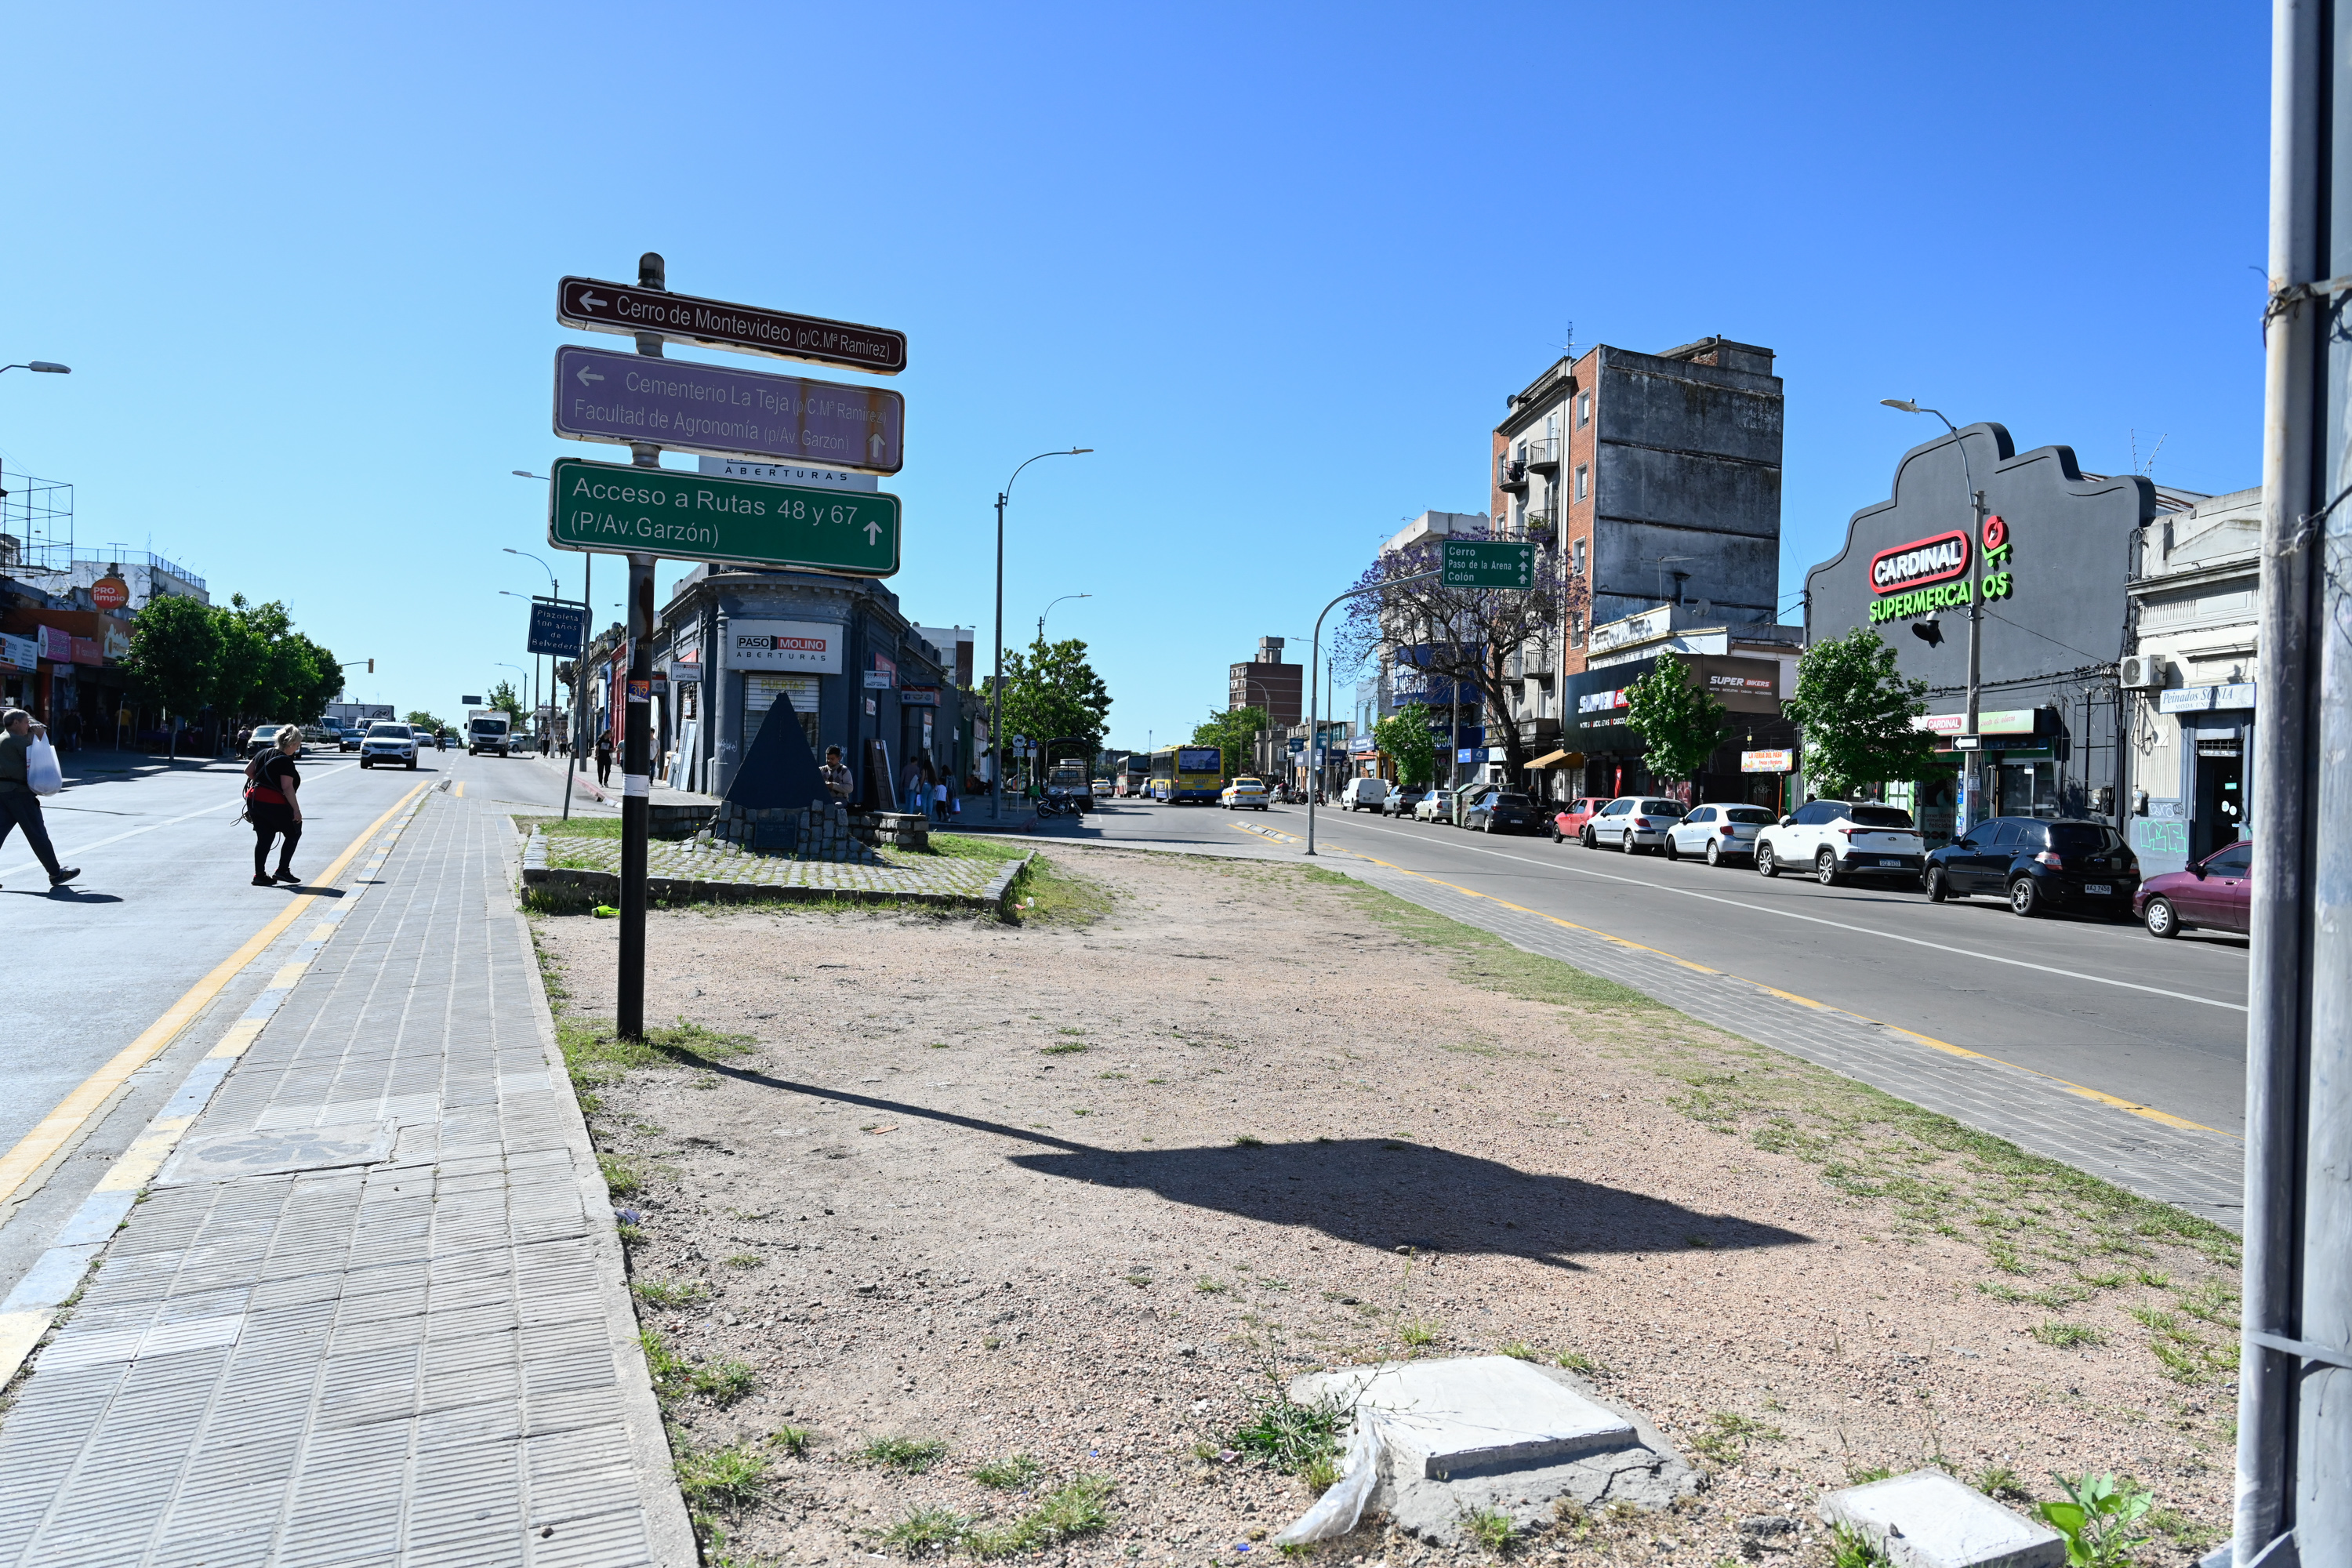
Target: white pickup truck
point(487, 729)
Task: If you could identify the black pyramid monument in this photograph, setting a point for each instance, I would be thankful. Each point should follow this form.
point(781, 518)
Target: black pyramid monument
point(779, 771)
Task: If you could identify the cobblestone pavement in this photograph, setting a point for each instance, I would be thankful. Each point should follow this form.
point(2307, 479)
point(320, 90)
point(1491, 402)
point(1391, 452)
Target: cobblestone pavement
point(892, 870)
point(372, 1309)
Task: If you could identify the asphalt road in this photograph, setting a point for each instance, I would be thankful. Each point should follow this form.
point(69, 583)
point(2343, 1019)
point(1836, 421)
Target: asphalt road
point(165, 895)
point(2097, 1002)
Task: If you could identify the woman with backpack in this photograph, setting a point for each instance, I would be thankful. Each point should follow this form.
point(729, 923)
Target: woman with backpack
point(273, 804)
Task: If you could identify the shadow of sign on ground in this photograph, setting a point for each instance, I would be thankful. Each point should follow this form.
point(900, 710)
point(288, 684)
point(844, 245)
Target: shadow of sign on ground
point(1377, 1193)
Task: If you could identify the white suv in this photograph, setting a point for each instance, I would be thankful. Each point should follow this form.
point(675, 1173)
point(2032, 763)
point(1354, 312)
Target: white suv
point(392, 745)
point(1835, 839)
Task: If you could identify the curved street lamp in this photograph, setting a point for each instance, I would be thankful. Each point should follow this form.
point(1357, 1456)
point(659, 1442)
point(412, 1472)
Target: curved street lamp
point(996, 687)
point(41, 367)
point(1971, 769)
point(1049, 610)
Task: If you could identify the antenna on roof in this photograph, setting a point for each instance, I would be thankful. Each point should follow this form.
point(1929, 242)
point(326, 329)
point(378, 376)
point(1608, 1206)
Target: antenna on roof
point(2149, 467)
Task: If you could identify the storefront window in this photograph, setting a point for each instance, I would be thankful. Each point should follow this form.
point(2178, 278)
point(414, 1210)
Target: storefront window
point(2026, 788)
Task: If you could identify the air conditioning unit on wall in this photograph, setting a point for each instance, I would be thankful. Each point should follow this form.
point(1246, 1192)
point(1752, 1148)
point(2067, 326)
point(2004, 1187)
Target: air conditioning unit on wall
point(2141, 672)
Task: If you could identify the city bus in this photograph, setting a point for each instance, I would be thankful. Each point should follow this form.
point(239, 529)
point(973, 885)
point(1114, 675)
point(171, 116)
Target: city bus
point(1187, 772)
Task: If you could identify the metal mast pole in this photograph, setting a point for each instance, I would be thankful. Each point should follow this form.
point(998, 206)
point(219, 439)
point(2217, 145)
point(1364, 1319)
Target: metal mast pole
point(2295, 1381)
point(636, 760)
point(1314, 664)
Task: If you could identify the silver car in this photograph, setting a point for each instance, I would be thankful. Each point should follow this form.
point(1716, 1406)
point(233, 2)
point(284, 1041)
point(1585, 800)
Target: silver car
point(1437, 805)
point(388, 745)
point(1718, 833)
point(1634, 823)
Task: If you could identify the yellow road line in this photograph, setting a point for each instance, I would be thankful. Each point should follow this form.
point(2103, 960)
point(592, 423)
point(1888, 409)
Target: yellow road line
point(459, 789)
point(54, 1131)
point(2134, 1108)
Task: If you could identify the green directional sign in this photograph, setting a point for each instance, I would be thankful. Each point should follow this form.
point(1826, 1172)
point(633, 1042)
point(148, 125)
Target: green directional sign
point(694, 517)
point(1488, 563)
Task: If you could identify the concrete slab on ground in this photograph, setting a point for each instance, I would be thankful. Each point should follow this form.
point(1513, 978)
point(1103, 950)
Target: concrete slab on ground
point(1927, 1519)
point(1472, 1413)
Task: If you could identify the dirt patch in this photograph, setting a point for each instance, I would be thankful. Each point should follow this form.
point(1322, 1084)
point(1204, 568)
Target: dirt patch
point(1073, 1197)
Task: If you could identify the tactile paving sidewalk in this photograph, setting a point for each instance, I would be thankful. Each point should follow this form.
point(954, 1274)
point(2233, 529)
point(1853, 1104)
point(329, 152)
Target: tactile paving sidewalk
point(370, 1311)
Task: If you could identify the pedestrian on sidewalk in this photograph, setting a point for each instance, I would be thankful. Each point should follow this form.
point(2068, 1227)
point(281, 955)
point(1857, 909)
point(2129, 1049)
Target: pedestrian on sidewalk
point(940, 799)
point(19, 806)
point(836, 777)
point(273, 804)
point(914, 790)
point(605, 759)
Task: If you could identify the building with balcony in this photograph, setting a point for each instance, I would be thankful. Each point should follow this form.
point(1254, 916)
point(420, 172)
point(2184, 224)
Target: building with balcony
point(1657, 477)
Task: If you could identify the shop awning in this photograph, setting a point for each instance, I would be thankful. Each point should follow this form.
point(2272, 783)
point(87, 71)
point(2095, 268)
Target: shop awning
point(1558, 760)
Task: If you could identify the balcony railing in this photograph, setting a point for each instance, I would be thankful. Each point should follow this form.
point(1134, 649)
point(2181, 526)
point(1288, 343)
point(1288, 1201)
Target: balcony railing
point(1536, 526)
point(1510, 473)
point(1544, 455)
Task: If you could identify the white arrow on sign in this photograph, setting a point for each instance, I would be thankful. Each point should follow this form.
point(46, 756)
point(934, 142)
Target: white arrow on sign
point(586, 375)
point(591, 301)
point(873, 533)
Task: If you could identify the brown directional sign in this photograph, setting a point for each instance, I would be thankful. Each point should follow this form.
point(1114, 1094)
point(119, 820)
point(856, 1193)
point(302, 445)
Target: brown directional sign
point(602, 306)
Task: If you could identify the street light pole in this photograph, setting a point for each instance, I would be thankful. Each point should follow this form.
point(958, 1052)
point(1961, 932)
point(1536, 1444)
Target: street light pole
point(1049, 610)
point(1971, 764)
point(996, 683)
point(554, 591)
point(1314, 664)
point(577, 764)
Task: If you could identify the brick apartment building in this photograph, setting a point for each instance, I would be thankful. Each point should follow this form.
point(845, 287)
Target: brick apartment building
point(1266, 682)
point(1660, 477)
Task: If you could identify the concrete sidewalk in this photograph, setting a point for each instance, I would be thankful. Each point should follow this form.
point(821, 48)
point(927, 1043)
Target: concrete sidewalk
point(370, 1308)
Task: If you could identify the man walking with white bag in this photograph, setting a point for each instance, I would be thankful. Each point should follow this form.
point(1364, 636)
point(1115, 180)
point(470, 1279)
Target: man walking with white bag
point(20, 806)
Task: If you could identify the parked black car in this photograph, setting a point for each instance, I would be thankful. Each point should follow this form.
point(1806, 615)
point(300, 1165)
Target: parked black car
point(1505, 811)
point(2038, 866)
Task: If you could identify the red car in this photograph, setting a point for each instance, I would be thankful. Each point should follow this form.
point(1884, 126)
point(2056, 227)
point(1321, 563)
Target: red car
point(2213, 895)
point(1570, 823)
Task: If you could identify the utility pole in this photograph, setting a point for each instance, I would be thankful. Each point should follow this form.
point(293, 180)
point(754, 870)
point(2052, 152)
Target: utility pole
point(2295, 1367)
point(996, 687)
point(636, 753)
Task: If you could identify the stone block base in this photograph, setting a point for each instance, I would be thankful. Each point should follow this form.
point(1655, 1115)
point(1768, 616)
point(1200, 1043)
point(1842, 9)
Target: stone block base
point(817, 832)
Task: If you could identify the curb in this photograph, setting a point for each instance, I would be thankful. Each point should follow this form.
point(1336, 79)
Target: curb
point(668, 1530)
point(604, 887)
point(999, 893)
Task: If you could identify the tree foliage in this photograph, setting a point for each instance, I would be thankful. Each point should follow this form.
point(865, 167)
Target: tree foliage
point(1856, 710)
point(1052, 693)
point(421, 719)
point(242, 661)
point(507, 700)
point(1405, 736)
point(1234, 734)
point(1467, 636)
point(1680, 725)
point(175, 654)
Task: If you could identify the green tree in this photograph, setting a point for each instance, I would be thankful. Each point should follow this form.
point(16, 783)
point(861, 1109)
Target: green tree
point(423, 721)
point(1680, 725)
point(175, 651)
point(304, 678)
point(1856, 710)
point(1052, 693)
point(1404, 735)
point(504, 697)
point(1234, 734)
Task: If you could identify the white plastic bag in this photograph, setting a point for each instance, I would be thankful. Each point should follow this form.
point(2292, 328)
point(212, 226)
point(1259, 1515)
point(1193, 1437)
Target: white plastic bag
point(41, 769)
point(1340, 1508)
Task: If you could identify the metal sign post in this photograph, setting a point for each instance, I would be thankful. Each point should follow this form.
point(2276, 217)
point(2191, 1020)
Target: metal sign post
point(1315, 653)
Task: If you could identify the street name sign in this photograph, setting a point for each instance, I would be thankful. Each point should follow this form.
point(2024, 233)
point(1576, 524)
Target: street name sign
point(556, 628)
point(600, 306)
point(694, 517)
point(628, 398)
point(1488, 563)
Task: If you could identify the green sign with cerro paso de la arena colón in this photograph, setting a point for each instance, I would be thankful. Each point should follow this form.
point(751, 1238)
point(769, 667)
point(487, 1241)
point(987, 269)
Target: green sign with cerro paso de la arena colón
point(692, 517)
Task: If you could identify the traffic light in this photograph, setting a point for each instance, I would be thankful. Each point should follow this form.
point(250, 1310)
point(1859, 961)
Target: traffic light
point(370, 667)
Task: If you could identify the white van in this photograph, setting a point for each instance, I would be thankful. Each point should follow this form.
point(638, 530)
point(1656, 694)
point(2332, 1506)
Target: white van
point(1364, 795)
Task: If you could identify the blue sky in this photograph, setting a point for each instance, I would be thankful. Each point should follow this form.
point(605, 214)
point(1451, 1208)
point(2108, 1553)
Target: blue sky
point(1279, 265)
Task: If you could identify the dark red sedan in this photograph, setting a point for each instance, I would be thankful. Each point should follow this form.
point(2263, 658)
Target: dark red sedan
point(2213, 895)
point(1570, 823)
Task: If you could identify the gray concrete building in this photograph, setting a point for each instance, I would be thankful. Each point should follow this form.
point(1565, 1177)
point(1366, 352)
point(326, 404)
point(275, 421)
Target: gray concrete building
point(1659, 477)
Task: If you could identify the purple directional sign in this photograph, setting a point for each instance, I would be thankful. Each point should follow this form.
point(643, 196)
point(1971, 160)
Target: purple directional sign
point(628, 398)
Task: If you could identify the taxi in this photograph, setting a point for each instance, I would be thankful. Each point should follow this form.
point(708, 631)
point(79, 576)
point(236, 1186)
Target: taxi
point(1244, 793)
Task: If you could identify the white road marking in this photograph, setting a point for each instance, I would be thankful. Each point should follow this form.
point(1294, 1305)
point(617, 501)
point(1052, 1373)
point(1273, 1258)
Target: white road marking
point(20, 866)
point(1839, 925)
